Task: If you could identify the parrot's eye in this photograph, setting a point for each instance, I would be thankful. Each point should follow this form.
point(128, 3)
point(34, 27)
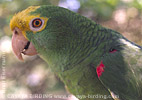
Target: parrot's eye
point(36, 24)
point(112, 50)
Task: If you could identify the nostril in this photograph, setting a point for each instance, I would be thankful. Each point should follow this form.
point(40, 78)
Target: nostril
point(16, 32)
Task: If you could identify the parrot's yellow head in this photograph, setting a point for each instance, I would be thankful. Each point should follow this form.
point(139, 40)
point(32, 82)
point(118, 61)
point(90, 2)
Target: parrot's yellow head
point(22, 23)
point(28, 22)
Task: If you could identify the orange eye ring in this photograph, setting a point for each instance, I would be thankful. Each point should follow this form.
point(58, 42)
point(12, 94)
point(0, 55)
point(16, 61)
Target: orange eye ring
point(36, 23)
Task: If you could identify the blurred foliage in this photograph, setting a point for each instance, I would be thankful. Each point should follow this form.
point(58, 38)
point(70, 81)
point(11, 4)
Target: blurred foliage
point(33, 76)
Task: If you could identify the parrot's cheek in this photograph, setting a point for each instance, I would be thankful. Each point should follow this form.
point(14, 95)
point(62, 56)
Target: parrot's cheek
point(21, 45)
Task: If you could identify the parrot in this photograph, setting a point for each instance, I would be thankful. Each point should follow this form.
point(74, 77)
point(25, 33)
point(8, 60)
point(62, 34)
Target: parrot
point(92, 61)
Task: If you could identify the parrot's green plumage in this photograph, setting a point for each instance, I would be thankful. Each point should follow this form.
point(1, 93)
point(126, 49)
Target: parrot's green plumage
point(89, 59)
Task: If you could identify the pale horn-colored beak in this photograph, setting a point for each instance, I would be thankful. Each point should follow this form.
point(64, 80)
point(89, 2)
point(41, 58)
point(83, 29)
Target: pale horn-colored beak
point(21, 45)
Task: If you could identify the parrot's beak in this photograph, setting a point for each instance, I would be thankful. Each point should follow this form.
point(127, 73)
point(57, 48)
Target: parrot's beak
point(21, 45)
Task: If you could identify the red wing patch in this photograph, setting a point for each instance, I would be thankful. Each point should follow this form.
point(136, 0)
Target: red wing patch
point(100, 69)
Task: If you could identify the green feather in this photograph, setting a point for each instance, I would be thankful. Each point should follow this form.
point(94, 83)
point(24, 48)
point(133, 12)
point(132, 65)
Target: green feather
point(74, 46)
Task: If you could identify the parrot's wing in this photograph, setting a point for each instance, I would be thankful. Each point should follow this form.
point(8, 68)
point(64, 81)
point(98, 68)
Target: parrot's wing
point(121, 73)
